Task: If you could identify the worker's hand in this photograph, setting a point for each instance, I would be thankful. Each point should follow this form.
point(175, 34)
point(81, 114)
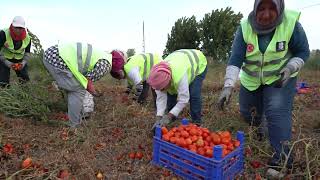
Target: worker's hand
point(224, 97)
point(285, 74)
point(90, 88)
point(16, 66)
point(162, 121)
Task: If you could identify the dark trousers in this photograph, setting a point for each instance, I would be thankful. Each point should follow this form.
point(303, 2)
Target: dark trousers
point(5, 74)
point(276, 104)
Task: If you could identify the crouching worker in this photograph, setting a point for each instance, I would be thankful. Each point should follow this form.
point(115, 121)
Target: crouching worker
point(15, 46)
point(177, 80)
point(75, 66)
point(136, 71)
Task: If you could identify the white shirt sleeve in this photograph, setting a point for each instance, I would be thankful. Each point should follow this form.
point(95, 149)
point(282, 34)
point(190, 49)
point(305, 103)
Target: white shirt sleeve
point(161, 102)
point(134, 75)
point(183, 96)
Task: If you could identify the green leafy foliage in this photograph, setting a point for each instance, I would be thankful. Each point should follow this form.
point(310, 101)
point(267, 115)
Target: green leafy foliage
point(217, 32)
point(26, 100)
point(37, 47)
point(313, 62)
point(184, 35)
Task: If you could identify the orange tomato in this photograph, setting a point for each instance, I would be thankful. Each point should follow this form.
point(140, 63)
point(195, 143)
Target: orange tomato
point(215, 138)
point(209, 153)
point(204, 134)
point(225, 141)
point(63, 174)
point(177, 134)
point(193, 132)
point(164, 130)
point(201, 151)
point(173, 140)
point(194, 138)
point(188, 141)
point(236, 143)
point(208, 139)
point(230, 147)
point(26, 163)
point(225, 134)
point(166, 137)
point(184, 134)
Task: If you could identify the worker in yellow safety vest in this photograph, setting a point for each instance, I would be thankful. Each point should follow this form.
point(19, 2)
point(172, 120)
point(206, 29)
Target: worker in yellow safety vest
point(15, 46)
point(178, 80)
point(137, 70)
point(270, 48)
point(75, 66)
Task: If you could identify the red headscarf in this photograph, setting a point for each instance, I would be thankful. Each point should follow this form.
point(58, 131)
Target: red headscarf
point(118, 61)
point(16, 37)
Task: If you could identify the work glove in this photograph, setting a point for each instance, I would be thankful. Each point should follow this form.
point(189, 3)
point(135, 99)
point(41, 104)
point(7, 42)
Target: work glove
point(27, 56)
point(285, 74)
point(162, 121)
point(90, 88)
point(224, 97)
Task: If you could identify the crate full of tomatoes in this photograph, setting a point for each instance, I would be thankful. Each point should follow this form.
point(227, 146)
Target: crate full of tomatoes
point(194, 152)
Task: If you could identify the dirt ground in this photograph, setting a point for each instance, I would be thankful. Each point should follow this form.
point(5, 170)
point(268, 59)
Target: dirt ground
point(119, 126)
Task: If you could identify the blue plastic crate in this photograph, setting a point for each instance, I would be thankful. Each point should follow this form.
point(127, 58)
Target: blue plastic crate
point(190, 165)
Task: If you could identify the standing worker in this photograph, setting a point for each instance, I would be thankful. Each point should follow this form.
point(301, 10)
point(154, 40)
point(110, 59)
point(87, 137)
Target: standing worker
point(178, 80)
point(270, 47)
point(15, 46)
point(75, 66)
point(136, 71)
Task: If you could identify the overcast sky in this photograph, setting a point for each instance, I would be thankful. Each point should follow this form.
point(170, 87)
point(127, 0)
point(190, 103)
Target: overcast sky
point(117, 24)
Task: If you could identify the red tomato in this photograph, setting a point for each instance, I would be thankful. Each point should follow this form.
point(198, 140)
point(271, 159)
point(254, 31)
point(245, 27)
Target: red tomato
point(139, 155)
point(132, 155)
point(8, 148)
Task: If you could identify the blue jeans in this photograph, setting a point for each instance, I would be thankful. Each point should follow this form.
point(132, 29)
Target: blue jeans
point(276, 104)
point(195, 98)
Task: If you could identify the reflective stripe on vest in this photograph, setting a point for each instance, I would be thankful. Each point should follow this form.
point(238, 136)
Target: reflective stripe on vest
point(185, 61)
point(263, 68)
point(8, 50)
point(81, 59)
point(145, 65)
point(83, 70)
point(193, 74)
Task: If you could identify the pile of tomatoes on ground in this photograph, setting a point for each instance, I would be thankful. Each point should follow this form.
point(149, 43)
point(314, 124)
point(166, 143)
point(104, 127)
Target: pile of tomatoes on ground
point(199, 140)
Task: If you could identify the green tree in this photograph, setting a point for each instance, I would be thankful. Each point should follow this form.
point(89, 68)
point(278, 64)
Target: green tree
point(217, 32)
point(184, 35)
point(131, 52)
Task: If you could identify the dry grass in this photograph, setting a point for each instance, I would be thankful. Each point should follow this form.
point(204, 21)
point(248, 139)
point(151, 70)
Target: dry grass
point(118, 127)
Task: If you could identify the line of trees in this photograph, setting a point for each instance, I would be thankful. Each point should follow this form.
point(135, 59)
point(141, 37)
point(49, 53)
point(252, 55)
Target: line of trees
point(213, 34)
